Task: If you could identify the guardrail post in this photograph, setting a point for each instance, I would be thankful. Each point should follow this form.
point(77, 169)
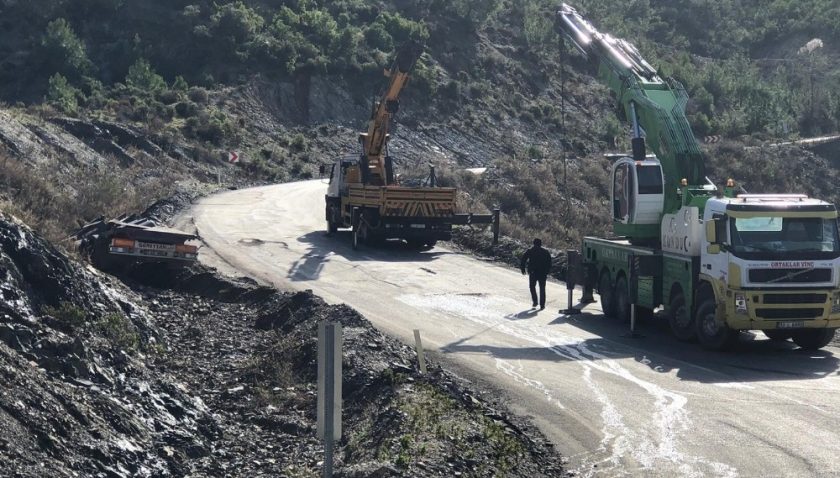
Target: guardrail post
point(496, 215)
point(329, 390)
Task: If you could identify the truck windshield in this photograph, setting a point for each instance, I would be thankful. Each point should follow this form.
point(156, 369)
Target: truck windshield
point(775, 236)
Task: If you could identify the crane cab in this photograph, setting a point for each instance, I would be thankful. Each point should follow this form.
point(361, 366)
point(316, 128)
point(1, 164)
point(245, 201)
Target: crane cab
point(637, 191)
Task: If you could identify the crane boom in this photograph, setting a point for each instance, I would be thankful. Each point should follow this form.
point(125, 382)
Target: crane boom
point(375, 139)
point(718, 262)
point(654, 106)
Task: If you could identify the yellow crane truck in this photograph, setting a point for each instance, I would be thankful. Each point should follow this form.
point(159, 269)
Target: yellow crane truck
point(363, 192)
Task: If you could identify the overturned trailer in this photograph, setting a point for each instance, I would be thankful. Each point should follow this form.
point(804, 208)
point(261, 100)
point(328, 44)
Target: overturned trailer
point(129, 240)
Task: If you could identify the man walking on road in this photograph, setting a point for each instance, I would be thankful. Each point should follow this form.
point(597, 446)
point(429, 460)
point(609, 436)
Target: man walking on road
point(538, 262)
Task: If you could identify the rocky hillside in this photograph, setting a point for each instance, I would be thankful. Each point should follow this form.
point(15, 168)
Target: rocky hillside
point(109, 105)
point(205, 377)
point(114, 103)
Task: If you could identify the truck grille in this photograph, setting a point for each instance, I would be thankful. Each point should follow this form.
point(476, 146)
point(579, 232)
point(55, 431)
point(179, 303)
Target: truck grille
point(785, 314)
point(797, 276)
point(795, 298)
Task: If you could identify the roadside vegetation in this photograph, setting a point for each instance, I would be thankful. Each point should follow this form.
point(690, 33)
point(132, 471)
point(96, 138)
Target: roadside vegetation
point(55, 206)
point(755, 73)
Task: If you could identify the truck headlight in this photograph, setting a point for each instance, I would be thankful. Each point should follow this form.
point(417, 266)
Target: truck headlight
point(835, 306)
point(740, 304)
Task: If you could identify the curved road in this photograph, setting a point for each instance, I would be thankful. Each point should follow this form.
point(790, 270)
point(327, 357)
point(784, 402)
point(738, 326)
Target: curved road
point(614, 405)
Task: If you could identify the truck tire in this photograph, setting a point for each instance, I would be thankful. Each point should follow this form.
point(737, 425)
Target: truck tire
point(431, 244)
point(622, 300)
point(778, 335)
point(680, 319)
point(359, 234)
point(605, 290)
point(711, 334)
point(332, 226)
point(813, 339)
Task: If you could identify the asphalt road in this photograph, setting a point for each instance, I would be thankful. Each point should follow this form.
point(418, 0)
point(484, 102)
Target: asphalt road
point(615, 405)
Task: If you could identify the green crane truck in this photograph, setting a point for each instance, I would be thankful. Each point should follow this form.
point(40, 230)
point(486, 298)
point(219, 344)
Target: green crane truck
point(718, 261)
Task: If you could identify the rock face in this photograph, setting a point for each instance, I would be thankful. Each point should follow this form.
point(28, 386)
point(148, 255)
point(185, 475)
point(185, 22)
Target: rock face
point(206, 376)
point(73, 399)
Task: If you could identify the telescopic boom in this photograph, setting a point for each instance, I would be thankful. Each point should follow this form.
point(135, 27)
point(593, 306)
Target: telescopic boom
point(654, 106)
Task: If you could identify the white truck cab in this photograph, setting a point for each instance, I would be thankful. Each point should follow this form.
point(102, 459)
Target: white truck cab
point(773, 262)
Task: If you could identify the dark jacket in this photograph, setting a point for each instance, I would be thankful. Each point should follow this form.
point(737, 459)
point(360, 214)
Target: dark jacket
point(538, 261)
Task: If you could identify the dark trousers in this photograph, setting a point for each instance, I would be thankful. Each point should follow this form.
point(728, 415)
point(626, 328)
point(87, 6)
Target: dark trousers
point(532, 283)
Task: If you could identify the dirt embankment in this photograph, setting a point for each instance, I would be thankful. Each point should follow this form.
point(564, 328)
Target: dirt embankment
point(203, 376)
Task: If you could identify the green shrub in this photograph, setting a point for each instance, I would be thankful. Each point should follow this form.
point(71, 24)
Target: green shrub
point(198, 95)
point(451, 90)
point(61, 95)
point(168, 97)
point(63, 51)
point(377, 37)
point(211, 128)
point(299, 142)
point(180, 84)
point(68, 313)
point(537, 23)
point(186, 109)
point(236, 22)
point(119, 331)
point(534, 152)
point(424, 79)
point(142, 77)
point(402, 29)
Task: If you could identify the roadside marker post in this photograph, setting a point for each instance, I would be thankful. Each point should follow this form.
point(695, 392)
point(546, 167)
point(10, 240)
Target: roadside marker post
point(421, 357)
point(329, 389)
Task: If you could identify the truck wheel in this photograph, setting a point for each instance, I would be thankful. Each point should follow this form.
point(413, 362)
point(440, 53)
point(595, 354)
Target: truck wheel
point(622, 300)
point(431, 244)
point(359, 234)
point(605, 290)
point(712, 334)
point(813, 339)
point(332, 226)
point(778, 335)
point(680, 320)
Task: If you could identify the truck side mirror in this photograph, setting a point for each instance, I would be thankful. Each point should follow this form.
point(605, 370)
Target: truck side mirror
point(716, 230)
point(711, 231)
point(321, 170)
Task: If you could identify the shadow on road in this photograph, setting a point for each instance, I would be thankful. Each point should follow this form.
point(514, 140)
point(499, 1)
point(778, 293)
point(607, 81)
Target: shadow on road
point(754, 359)
point(323, 246)
point(525, 314)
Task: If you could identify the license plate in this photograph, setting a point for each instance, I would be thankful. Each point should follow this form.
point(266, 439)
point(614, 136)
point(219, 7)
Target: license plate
point(418, 226)
point(155, 246)
point(790, 324)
